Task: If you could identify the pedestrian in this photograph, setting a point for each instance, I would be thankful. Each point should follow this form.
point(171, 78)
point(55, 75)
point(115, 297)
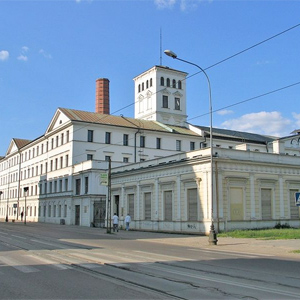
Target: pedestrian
point(127, 221)
point(115, 222)
point(22, 214)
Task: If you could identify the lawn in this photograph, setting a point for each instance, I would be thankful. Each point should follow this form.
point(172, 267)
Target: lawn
point(265, 234)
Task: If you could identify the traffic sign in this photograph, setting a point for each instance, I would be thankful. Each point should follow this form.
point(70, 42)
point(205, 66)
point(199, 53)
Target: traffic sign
point(104, 179)
point(297, 199)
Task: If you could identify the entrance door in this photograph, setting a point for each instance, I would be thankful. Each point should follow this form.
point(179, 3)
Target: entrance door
point(77, 214)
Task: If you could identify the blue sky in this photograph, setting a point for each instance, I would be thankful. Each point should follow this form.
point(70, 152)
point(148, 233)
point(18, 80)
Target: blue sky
point(51, 53)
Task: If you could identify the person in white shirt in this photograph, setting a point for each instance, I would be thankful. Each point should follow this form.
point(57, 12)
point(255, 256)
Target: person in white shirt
point(115, 222)
point(127, 221)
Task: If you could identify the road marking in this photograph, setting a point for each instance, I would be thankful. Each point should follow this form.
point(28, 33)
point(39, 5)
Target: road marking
point(166, 256)
point(50, 263)
point(17, 265)
point(228, 252)
point(20, 237)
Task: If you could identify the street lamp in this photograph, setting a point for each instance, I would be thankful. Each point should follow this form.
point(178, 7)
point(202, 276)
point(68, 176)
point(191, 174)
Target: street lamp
point(26, 188)
point(212, 234)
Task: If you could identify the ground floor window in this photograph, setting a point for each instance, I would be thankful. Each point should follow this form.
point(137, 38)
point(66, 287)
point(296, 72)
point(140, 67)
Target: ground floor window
point(168, 207)
point(131, 205)
point(266, 204)
point(192, 204)
point(294, 210)
point(147, 205)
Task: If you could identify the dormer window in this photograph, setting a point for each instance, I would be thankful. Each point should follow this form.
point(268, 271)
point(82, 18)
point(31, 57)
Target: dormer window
point(162, 81)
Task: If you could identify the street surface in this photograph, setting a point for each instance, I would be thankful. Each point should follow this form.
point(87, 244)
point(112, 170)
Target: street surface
point(46, 261)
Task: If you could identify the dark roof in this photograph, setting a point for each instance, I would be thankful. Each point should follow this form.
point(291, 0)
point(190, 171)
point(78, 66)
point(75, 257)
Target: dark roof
point(21, 142)
point(237, 135)
point(91, 117)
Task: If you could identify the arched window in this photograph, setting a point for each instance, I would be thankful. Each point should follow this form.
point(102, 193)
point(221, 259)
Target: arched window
point(139, 88)
point(147, 84)
point(150, 82)
point(168, 82)
point(174, 83)
point(179, 84)
point(162, 81)
point(142, 86)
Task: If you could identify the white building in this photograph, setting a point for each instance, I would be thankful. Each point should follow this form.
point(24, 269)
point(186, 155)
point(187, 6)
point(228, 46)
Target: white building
point(160, 164)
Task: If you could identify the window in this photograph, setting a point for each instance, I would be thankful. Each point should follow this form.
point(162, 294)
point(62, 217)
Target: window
point(56, 141)
point(168, 214)
point(125, 139)
point(192, 204)
point(107, 158)
point(165, 102)
point(130, 206)
point(62, 139)
point(179, 84)
point(158, 143)
point(139, 88)
point(61, 162)
point(67, 160)
point(192, 145)
point(55, 186)
point(162, 81)
point(77, 185)
point(60, 185)
point(147, 84)
point(143, 86)
point(150, 82)
point(142, 141)
point(56, 163)
point(67, 136)
point(89, 156)
point(125, 159)
point(168, 82)
point(50, 187)
point(86, 185)
point(66, 184)
point(107, 137)
point(147, 206)
point(178, 145)
point(90, 136)
point(177, 103)
point(174, 83)
point(52, 143)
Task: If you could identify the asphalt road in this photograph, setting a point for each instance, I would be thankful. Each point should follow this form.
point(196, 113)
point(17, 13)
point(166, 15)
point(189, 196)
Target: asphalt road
point(46, 261)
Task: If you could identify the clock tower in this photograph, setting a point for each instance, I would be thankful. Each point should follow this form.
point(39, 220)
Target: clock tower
point(160, 95)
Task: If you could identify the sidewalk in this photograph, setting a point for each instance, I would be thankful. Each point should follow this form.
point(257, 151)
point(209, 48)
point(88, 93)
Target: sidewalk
point(270, 248)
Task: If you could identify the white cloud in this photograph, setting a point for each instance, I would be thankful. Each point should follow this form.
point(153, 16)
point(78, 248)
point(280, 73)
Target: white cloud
point(183, 4)
point(269, 123)
point(161, 4)
point(22, 57)
point(297, 118)
point(224, 112)
point(4, 55)
point(45, 54)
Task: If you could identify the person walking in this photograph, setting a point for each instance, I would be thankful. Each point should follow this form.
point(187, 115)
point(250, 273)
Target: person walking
point(115, 222)
point(22, 214)
point(127, 221)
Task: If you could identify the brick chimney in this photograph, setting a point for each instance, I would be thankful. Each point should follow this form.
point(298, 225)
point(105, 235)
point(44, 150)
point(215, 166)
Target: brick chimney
point(102, 96)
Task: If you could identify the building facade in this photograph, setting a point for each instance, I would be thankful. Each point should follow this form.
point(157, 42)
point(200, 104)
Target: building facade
point(160, 167)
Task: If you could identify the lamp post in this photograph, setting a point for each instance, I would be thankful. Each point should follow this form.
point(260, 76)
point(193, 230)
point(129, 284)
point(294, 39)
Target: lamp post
point(212, 240)
point(26, 188)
